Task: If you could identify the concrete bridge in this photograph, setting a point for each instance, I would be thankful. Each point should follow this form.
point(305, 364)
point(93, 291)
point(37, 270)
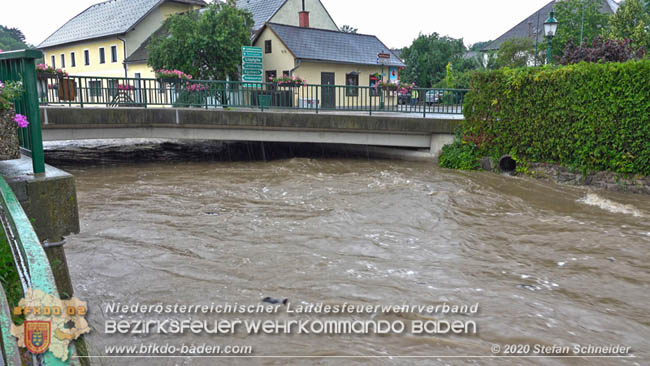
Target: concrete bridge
point(349, 128)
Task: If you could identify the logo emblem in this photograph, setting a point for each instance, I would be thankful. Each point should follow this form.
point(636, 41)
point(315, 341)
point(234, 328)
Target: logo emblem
point(37, 336)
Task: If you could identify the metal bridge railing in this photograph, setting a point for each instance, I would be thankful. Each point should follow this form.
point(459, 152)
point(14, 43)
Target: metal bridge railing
point(21, 66)
point(33, 269)
point(135, 92)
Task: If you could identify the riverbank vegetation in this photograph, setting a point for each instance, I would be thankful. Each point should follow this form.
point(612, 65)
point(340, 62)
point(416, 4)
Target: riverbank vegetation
point(8, 274)
point(588, 116)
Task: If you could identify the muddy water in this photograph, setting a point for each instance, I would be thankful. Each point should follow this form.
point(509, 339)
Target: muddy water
point(548, 264)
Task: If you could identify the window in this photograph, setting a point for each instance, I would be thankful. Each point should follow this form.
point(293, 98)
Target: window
point(86, 57)
point(268, 46)
point(62, 61)
point(285, 73)
point(53, 58)
point(102, 56)
point(113, 53)
point(270, 75)
point(73, 60)
point(95, 88)
point(113, 87)
point(352, 81)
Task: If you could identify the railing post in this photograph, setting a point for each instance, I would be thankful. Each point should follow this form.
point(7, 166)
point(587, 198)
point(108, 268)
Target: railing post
point(21, 66)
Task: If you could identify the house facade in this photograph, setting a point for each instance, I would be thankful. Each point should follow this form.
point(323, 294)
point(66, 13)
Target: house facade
point(533, 26)
point(327, 57)
point(284, 12)
point(263, 11)
point(99, 40)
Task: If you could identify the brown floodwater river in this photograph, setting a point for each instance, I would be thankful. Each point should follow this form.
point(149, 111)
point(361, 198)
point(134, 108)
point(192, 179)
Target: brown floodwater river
point(549, 265)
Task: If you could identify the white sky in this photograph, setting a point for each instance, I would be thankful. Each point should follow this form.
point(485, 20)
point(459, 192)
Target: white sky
point(395, 22)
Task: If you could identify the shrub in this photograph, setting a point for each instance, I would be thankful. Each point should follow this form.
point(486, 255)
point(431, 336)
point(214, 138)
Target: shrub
point(611, 50)
point(589, 116)
point(460, 155)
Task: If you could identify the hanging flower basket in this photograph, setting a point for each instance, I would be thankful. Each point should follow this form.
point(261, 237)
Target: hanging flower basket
point(44, 71)
point(288, 81)
point(389, 87)
point(172, 76)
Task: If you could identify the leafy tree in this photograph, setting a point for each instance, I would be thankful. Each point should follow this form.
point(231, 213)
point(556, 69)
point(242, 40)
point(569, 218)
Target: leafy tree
point(479, 45)
point(12, 39)
point(206, 45)
point(516, 52)
point(348, 29)
point(569, 14)
point(427, 58)
point(601, 50)
point(631, 21)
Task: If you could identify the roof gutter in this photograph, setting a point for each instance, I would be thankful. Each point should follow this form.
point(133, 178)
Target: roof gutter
point(126, 66)
point(298, 63)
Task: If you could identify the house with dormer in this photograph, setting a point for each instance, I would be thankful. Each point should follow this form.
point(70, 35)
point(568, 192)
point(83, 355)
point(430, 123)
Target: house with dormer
point(99, 40)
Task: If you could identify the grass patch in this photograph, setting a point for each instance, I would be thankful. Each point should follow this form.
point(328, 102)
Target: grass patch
point(8, 274)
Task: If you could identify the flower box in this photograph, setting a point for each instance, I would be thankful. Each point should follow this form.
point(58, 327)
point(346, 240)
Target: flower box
point(9, 144)
point(67, 90)
point(169, 80)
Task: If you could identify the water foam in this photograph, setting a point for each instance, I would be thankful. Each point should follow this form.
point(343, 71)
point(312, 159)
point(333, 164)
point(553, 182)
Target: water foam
point(593, 199)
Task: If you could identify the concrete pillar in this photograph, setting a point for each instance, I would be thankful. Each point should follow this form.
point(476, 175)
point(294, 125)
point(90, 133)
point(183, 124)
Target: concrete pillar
point(438, 141)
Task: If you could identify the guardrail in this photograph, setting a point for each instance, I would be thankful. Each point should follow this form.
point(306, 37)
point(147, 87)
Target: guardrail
point(21, 66)
point(135, 92)
point(33, 269)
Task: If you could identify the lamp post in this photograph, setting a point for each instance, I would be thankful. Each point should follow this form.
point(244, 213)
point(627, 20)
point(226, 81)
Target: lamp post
point(550, 27)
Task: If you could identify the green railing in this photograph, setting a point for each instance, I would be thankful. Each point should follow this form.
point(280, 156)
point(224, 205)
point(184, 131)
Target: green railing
point(30, 260)
point(129, 92)
point(20, 66)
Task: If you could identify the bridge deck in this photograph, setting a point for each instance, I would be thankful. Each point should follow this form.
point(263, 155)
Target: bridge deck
point(339, 127)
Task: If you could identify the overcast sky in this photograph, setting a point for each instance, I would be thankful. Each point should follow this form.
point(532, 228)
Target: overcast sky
point(395, 22)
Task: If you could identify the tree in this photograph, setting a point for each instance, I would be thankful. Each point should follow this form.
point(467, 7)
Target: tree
point(631, 21)
point(348, 29)
point(427, 58)
point(516, 52)
point(570, 15)
point(206, 45)
point(601, 50)
point(12, 39)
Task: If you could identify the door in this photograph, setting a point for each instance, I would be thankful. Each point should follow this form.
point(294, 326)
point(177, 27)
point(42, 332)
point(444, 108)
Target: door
point(328, 94)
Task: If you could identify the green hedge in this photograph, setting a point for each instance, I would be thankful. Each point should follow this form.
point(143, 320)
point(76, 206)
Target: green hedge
point(591, 117)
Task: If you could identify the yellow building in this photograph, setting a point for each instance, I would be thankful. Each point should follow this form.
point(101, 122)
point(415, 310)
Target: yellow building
point(99, 40)
point(328, 57)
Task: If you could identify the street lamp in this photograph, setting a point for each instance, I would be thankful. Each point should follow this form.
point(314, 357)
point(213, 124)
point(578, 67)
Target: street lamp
point(550, 27)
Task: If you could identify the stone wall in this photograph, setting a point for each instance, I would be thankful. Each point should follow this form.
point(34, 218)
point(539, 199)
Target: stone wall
point(603, 180)
point(9, 148)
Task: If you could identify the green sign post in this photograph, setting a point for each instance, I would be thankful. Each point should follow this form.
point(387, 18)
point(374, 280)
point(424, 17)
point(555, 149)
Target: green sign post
point(252, 65)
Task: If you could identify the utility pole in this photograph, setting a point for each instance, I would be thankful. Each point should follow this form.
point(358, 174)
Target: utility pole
point(537, 39)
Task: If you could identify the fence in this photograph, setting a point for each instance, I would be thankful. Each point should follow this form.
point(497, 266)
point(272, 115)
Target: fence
point(129, 92)
point(33, 270)
point(21, 66)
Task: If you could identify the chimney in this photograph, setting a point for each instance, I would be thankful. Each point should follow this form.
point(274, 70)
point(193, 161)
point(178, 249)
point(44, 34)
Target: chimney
point(304, 16)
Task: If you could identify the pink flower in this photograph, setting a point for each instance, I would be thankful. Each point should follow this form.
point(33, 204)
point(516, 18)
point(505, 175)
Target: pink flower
point(1, 85)
point(21, 121)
